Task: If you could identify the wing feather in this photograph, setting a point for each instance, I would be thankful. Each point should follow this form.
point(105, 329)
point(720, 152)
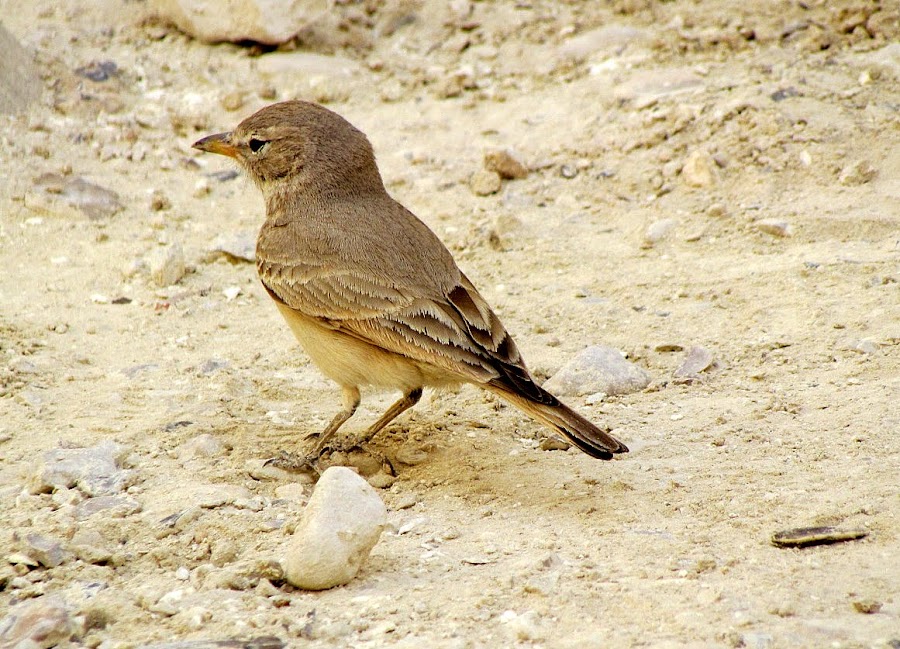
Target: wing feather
point(453, 330)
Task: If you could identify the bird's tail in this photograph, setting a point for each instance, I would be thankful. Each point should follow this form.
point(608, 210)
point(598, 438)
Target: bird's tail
point(558, 416)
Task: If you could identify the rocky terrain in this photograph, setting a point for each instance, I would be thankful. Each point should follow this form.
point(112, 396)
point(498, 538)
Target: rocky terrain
point(710, 188)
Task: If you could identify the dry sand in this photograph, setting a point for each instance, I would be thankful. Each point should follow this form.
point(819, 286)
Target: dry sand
point(713, 174)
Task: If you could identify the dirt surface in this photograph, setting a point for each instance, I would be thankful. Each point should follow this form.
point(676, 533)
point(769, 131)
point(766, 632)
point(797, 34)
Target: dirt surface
point(701, 174)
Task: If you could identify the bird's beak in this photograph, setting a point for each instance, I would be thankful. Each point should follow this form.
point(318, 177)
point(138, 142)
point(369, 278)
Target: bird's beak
point(219, 143)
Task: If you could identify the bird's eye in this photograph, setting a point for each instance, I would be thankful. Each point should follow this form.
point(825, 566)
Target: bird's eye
point(256, 144)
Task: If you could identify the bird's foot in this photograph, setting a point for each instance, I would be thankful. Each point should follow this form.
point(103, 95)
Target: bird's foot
point(295, 463)
point(363, 457)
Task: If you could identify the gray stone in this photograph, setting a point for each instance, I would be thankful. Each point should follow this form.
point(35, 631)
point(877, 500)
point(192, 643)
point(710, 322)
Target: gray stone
point(48, 552)
point(598, 369)
point(20, 82)
point(38, 624)
point(94, 470)
point(91, 547)
point(118, 506)
point(67, 195)
point(697, 360)
point(340, 526)
point(264, 21)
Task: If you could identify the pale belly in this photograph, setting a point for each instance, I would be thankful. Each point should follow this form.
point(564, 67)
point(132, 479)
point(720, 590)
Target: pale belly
point(351, 362)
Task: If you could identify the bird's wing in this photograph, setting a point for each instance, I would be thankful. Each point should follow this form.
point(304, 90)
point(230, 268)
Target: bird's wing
point(454, 330)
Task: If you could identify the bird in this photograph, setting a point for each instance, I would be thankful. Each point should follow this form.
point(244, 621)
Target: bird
point(369, 291)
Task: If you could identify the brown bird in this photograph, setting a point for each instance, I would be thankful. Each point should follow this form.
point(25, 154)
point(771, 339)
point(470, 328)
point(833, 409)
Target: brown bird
point(372, 295)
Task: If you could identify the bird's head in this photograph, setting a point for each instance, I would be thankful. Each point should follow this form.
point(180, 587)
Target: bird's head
point(299, 146)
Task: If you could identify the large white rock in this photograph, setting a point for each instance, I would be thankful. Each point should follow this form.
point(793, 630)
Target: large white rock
point(262, 21)
point(340, 526)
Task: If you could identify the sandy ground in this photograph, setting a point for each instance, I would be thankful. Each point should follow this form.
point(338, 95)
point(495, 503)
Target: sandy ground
point(709, 173)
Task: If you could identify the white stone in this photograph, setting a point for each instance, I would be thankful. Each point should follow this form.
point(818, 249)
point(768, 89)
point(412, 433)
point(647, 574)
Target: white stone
point(204, 445)
point(340, 526)
point(167, 265)
point(485, 183)
point(659, 230)
point(699, 169)
point(263, 21)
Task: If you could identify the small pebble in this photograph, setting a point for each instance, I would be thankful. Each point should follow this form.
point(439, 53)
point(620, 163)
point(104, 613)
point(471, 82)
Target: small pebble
point(867, 606)
point(716, 210)
point(167, 265)
point(405, 502)
point(91, 547)
point(554, 444)
point(659, 230)
point(568, 171)
point(381, 480)
point(48, 552)
point(21, 559)
point(293, 491)
point(505, 163)
point(697, 360)
point(775, 227)
point(204, 445)
point(699, 169)
point(857, 173)
point(233, 101)
point(159, 201)
point(231, 292)
point(94, 201)
point(239, 246)
point(411, 455)
point(264, 470)
point(485, 183)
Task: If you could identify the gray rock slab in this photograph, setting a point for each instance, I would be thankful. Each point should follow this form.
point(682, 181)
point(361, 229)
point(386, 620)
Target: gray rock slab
point(20, 83)
point(598, 369)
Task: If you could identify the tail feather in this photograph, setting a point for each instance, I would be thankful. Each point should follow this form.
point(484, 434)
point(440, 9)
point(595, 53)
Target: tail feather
point(558, 416)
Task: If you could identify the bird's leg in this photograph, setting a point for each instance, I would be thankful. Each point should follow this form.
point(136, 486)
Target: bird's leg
point(404, 403)
point(351, 403)
point(293, 461)
point(407, 401)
